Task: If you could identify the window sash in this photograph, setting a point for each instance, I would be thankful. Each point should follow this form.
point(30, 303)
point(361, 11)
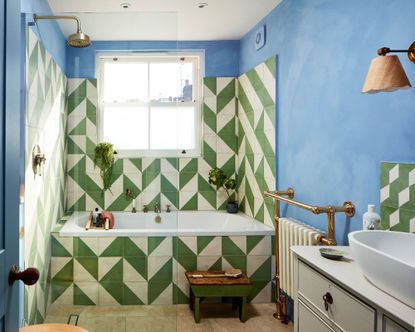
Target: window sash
point(196, 83)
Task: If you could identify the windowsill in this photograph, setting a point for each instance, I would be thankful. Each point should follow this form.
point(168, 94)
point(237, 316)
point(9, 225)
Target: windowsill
point(122, 154)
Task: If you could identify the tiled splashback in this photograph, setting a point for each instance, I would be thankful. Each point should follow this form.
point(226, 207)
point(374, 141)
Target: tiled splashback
point(150, 270)
point(256, 135)
point(183, 182)
point(397, 196)
point(45, 125)
point(180, 182)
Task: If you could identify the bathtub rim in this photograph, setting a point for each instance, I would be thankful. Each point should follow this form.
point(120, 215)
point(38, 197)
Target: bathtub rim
point(78, 231)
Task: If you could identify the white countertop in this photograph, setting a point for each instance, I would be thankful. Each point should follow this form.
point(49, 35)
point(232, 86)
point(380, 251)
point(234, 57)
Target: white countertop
point(347, 273)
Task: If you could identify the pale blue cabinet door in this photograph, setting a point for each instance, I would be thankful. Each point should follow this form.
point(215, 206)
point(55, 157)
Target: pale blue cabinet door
point(10, 69)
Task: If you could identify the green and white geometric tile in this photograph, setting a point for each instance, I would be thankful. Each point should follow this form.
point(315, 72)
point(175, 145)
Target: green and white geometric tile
point(256, 139)
point(397, 196)
point(158, 278)
point(45, 125)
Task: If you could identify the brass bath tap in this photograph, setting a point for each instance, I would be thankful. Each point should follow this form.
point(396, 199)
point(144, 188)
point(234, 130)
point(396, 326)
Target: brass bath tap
point(157, 208)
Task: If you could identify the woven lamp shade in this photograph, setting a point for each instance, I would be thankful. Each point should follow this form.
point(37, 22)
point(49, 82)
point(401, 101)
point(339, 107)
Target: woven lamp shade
point(385, 74)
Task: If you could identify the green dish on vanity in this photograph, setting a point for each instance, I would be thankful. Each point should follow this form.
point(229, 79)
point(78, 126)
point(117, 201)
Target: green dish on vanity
point(332, 253)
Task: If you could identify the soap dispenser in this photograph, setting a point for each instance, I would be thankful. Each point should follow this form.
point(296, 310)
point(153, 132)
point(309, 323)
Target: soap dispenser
point(371, 220)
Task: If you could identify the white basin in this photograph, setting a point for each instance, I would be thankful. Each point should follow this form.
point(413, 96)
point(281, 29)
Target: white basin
point(387, 259)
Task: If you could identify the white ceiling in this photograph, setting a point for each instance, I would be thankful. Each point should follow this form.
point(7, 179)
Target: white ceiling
point(163, 19)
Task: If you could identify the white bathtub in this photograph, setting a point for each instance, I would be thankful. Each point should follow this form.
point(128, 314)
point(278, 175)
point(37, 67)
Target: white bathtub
point(177, 223)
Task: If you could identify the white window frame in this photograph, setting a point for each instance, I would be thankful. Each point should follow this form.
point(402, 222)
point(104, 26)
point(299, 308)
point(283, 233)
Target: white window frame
point(196, 58)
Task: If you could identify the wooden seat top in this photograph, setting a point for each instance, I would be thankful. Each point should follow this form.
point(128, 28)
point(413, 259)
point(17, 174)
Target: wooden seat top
point(52, 328)
point(208, 281)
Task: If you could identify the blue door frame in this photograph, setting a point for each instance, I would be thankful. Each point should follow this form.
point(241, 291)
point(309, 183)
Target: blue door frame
point(10, 71)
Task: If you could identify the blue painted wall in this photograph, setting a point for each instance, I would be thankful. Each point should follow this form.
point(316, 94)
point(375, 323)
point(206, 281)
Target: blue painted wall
point(221, 57)
point(48, 31)
point(330, 137)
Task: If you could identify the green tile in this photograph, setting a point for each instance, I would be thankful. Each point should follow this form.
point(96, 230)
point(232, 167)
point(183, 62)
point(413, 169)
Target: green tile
point(185, 178)
point(257, 287)
point(80, 91)
point(131, 249)
point(210, 83)
point(80, 128)
point(58, 250)
point(263, 273)
point(237, 262)
point(81, 249)
point(115, 249)
point(203, 241)
point(164, 274)
point(65, 275)
point(114, 274)
point(154, 166)
point(91, 112)
point(90, 264)
point(155, 288)
point(228, 91)
point(230, 248)
point(137, 162)
point(140, 264)
point(209, 155)
point(115, 289)
point(57, 289)
point(130, 298)
point(252, 241)
point(80, 298)
point(178, 296)
point(154, 242)
point(191, 204)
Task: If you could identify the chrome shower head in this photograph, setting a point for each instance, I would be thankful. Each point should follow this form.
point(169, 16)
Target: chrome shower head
point(78, 39)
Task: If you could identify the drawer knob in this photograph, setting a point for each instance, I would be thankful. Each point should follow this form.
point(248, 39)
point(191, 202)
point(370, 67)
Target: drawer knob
point(328, 299)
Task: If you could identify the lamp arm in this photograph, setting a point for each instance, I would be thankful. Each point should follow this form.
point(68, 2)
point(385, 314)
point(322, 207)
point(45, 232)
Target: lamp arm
point(386, 50)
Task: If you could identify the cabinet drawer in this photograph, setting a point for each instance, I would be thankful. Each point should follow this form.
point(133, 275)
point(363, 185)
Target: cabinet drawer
point(390, 326)
point(346, 311)
point(309, 321)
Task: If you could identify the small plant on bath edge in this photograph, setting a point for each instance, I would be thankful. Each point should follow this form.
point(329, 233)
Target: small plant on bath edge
point(218, 178)
point(104, 158)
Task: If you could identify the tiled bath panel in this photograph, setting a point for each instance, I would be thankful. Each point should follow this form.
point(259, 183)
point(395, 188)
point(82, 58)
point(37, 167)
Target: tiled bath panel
point(150, 270)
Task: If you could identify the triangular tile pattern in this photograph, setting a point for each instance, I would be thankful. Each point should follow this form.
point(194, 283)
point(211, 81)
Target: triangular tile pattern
point(181, 183)
point(397, 196)
point(150, 270)
point(256, 145)
point(45, 125)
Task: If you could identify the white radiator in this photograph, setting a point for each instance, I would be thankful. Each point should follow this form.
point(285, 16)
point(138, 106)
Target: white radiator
point(293, 233)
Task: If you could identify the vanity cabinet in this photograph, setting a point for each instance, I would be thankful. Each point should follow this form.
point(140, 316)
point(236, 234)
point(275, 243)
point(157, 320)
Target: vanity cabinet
point(323, 303)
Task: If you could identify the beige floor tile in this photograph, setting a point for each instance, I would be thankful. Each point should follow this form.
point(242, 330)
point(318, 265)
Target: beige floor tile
point(65, 310)
point(151, 324)
point(103, 324)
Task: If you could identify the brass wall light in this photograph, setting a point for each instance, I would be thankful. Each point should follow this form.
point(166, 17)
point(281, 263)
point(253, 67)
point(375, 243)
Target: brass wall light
point(386, 73)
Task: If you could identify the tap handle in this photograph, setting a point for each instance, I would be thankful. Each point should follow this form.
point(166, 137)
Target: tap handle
point(168, 208)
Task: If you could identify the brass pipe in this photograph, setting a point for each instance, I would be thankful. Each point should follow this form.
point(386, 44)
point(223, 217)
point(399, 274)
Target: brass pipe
point(349, 210)
point(281, 300)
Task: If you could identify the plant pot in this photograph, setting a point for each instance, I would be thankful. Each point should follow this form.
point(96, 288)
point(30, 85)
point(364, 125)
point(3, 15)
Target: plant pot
point(232, 207)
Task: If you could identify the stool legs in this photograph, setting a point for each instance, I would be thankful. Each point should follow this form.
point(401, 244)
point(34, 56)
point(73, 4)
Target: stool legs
point(197, 309)
point(242, 310)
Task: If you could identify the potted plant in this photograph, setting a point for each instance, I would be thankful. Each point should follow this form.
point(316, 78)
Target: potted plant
point(218, 178)
point(104, 158)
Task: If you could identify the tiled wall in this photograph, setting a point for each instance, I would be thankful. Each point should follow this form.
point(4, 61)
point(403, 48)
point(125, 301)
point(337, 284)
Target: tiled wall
point(397, 196)
point(180, 182)
point(256, 134)
point(150, 270)
point(45, 125)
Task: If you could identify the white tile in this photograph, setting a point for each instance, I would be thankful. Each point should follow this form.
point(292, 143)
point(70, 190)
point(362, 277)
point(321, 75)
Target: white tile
point(394, 173)
point(384, 193)
point(394, 219)
point(403, 196)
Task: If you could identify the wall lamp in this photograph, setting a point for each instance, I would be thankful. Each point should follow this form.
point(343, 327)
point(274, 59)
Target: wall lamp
point(386, 73)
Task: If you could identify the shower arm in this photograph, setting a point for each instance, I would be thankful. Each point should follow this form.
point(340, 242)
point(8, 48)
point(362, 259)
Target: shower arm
point(59, 17)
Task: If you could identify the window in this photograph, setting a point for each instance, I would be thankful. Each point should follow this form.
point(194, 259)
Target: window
point(149, 104)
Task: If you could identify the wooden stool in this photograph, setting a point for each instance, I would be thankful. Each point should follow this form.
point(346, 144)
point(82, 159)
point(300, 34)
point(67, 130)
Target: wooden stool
point(218, 287)
point(52, 328)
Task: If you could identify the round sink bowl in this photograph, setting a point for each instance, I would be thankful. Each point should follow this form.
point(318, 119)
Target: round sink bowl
point(387, 259)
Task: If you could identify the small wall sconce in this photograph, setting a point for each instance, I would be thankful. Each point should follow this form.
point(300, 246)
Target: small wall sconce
point(386, 73)
point(38, 159)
